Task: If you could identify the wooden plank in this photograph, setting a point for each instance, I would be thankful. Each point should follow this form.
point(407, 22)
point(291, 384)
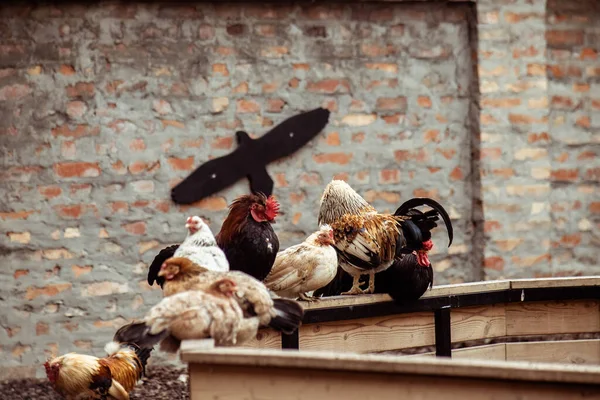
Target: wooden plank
point(555, 282)
point(482, 322)
point(265, 339)
point(466, 288)
point(443, 290)
point(540, 318)
point(370, 334)
point(327, 360)
point(230, 382)
point(495, 351)
point(563, 351)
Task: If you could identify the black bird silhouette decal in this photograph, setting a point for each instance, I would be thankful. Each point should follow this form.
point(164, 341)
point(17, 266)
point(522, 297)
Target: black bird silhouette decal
point(251, 158)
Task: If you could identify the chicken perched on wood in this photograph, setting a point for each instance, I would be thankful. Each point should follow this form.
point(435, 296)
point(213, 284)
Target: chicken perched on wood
point(252, 296)
point(82, 377)
point(368, 242)
point(199, 247)
point(304, 267)
point(247, 237)
point(193, 314)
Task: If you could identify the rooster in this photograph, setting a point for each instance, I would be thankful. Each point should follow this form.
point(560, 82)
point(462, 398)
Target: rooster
point(368, 242)
point(247, 237)
point(193, 314)
point(253, 297)
point(81, 377)
point(304, 267)
point(199, 246)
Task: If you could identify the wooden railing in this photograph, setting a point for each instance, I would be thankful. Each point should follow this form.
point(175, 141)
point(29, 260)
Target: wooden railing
point(457, 313)
point(237, 373)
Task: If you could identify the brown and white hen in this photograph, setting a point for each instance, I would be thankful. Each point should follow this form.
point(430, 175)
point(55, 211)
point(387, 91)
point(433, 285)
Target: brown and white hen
point(304, 267)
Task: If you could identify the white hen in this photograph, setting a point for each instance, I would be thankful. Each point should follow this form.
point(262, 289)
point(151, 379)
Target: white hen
point(201, 248)
point(305, 267)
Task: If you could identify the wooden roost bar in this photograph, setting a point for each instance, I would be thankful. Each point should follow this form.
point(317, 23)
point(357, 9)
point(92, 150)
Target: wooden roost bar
point(458, 313)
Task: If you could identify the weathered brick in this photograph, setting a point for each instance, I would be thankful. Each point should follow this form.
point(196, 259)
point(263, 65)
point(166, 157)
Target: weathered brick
point(76, 169)
point(181, 164)
point(34, 292)
point(16, 91)
point(333, 158)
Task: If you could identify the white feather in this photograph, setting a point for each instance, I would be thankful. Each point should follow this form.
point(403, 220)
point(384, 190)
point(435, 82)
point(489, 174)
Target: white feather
point(112, 348)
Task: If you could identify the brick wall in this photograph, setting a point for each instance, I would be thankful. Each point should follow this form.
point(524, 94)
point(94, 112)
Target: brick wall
point(105, 108)
point(574, 146)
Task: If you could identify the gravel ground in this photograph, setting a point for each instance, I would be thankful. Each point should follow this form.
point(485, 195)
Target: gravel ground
point(162, 383)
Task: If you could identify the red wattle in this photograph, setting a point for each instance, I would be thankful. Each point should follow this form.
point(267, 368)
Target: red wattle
point(422, 259)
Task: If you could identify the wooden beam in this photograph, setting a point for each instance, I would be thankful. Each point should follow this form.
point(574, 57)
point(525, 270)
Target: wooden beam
point(372, 363)
point(232, 382)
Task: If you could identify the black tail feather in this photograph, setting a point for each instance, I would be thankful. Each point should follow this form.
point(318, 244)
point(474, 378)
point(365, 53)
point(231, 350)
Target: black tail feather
point(429, 217)
point(138, 333)
point(160, 258)
point(289, 316)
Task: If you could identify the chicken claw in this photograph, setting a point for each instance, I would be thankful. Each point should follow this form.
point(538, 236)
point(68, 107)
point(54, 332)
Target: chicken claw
point(355, 287)
point(305, 297)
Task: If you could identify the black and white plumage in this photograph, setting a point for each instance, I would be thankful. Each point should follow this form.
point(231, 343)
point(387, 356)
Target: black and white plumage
point(201, 248)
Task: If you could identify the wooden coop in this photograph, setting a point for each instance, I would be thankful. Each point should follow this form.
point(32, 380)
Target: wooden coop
point(498, 339)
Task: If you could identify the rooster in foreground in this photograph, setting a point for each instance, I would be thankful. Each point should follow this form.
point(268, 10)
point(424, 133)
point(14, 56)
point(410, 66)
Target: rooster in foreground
point(304, 267)
point(193, 314)
point(252, 296)
point(82, 377)
point(368, 242)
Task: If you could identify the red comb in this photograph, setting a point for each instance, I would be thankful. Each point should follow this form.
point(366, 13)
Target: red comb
point(272, 207)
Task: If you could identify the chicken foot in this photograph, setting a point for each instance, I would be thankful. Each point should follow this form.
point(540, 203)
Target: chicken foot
point(305, 297)
point(371, 287)
point(355, 289)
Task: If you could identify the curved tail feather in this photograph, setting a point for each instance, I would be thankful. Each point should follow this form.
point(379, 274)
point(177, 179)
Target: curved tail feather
point(429, 216)
point(289, 316)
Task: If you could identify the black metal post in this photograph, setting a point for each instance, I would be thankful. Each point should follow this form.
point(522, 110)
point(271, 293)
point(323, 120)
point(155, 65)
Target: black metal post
point(290, 341)
point(443, 334)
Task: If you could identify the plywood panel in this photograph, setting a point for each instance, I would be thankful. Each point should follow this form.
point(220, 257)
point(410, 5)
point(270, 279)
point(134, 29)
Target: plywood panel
point(552, 317)
point(564, 351)
point(471, 323)
point(225, 382)
point(370, 334)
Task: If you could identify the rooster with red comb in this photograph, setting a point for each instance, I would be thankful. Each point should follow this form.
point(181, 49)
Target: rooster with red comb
point(247, 237)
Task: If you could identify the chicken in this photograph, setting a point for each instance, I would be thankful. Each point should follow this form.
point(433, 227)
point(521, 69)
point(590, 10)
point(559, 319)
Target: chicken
point(304, 267)
point(247, 237)
point(368, 242)
point(193, 314)
point(252, 295)
point(405, 280)
point(81, 377)
point(199, 246)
